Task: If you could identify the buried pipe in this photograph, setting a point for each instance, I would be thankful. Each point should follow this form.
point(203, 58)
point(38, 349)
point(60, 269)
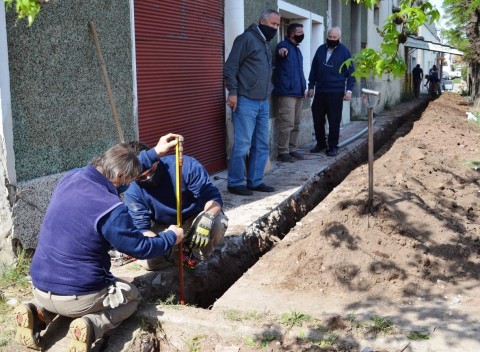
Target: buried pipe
point(236, 254)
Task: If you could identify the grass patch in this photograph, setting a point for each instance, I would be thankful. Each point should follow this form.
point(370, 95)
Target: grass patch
point(194, 344)
point(294, 319)
point(16, 275)
point(381, 325)
point(473, 164)
point(415, 336)
point(259, 343)
point(236, 315)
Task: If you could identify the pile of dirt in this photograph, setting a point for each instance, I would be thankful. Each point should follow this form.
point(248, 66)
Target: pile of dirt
point(421, 231)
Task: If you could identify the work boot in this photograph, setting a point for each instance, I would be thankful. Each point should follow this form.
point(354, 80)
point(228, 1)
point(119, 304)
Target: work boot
point(82, 334)
point(286, 158)
point(297, 155)
point(30, 323)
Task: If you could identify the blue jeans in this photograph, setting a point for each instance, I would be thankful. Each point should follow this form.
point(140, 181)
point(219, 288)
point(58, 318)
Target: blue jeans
point(251, 137)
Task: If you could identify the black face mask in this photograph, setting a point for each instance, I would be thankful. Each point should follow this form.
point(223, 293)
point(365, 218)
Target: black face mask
point(332, 43)
point(153, 181)
point(299, 38)
point(267, 31)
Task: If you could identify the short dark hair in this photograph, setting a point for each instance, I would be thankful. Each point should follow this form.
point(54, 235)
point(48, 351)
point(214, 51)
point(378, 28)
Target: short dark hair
point(138, 146)
point(293, 27)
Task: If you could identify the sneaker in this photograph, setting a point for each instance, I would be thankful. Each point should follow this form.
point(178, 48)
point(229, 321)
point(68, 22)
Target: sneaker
point(318, 149)
point(82, 335)
point(240, 190)
point(262, 187)
point(332, 151)
point(286, 158)
point(297, 155)
point(29, 323)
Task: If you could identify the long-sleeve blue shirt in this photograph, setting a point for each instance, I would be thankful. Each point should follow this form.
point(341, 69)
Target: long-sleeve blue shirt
point(160, 203)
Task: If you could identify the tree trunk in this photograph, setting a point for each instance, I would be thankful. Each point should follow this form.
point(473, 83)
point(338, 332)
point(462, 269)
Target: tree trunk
point(473, 74)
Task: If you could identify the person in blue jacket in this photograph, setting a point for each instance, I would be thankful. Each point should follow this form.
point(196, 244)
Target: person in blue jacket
point(290, 87)
point(332, 86)
point(152, 204)
point(70, 269)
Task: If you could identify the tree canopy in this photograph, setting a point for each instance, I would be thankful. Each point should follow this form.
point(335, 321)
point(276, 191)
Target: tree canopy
point(405, 20)
point(28, 9)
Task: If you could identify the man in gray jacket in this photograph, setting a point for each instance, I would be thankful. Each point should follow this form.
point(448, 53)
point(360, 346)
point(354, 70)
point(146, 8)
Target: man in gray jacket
point(248, 73)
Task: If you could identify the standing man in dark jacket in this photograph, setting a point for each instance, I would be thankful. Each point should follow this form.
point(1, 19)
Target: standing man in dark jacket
point(332, 87)
point(290, 87)
point(70, 269)
point(417, 74)
point(248, 78)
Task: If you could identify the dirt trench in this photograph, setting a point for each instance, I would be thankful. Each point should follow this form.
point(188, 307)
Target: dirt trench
point(211, 279)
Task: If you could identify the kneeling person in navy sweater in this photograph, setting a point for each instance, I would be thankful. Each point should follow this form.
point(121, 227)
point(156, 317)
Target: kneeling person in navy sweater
point(70, 269)
point(152, 204)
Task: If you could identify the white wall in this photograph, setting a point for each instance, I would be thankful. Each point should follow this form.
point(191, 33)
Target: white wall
point(7, 164)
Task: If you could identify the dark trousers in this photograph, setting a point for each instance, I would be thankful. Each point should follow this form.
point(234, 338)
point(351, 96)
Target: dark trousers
point(331, 106)
point(416, 87)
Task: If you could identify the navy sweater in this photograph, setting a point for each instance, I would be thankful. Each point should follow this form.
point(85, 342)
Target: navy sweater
point(84, 219)
point(326, 77)
point(289, 79)
point(159, 204)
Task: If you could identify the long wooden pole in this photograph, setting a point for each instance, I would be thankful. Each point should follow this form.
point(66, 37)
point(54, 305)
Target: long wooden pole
point(178, 184)
point(91, 26)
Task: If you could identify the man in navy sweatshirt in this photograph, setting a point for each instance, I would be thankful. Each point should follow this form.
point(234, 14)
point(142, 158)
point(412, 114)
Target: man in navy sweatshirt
point(70, 269)
point(331, 86)
point(152, 203)
point(290, 88)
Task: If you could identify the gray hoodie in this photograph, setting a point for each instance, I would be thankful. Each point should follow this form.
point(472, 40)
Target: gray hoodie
point(248, 70)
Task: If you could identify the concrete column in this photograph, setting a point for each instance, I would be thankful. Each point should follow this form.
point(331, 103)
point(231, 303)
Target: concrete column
point(234, 19)
point(336, 13)
point(234, 16)
point(356, 37)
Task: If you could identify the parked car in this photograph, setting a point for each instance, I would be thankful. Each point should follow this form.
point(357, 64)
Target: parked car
point(455, 74)
point(447, 85)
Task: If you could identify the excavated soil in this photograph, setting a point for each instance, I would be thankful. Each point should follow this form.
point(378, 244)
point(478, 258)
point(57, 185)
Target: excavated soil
point(422, 231)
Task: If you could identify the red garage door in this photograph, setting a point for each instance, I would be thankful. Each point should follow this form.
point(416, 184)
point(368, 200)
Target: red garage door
point(179, 58)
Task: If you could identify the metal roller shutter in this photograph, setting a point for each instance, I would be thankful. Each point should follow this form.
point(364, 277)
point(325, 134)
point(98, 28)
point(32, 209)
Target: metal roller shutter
point(179, 57)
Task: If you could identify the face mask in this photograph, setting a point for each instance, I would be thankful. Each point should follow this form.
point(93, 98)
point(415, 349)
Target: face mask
point(299, 38)
point(267, 31)
point(332, 43)
point(122, 188)
point(151, 182)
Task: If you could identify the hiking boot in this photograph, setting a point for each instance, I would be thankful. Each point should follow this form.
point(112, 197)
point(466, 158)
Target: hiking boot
point(82, 334)
point(30, 323)
point(318, 148)
point(297, 155)
point(286, 158)
point(332, 151)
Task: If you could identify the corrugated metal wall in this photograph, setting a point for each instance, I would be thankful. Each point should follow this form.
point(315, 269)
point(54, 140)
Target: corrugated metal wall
point(179, 55)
